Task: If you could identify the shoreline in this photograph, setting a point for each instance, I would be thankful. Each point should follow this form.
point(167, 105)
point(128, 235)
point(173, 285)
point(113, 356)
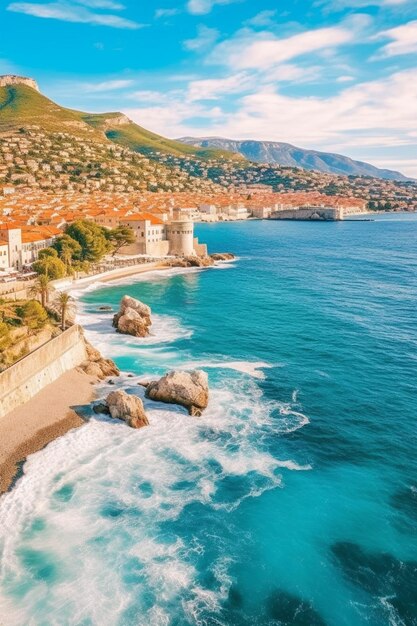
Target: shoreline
point(50, 414)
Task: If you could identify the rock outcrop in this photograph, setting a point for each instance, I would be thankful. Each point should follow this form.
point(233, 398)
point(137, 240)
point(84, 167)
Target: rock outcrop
point(128, 408)
point(96, 365)
point(222, 256)
point(133, 318)
point(200, 261)
point(190, 261)
point(189, 389)
point(11, 79)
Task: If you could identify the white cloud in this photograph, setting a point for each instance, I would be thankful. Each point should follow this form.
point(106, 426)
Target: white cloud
point(336, 5)
point(264, 18)
point(216, 88)
point(101, 4)
point(161, 13)
point(247, 50)
point(202, 7)
point(107, 85)
point(206, 37)
point(364, 120)
point(403, 40)
point(69, 12)
point(345, 79)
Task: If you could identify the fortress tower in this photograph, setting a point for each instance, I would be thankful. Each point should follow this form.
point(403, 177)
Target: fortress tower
point(180, 234)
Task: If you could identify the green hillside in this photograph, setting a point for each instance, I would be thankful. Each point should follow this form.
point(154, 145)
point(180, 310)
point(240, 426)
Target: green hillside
point(134, 137)
point(22, 106)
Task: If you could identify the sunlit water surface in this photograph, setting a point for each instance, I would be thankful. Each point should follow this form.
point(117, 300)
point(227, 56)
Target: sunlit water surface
point(293, 500)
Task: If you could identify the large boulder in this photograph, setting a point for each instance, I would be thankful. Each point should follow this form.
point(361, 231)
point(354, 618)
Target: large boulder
point(128, 408)
point(189, 389)
point(133, 318)
point(96, 365)
point(222, 256)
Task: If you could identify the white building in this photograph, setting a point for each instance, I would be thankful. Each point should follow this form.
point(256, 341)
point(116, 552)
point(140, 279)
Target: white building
point(19, 248)
point(150, 233)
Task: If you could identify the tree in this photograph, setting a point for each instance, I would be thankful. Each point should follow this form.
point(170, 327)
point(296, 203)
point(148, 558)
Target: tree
point(65, 304)
point(121, 236)
point(92, 239)
point(49, 266)
point(32, 314)
point(41, 287)
point(47, 253)
point(65, 245)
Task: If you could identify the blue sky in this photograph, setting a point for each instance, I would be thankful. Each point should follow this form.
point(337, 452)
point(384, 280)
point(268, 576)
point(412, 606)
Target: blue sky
point(337, 75)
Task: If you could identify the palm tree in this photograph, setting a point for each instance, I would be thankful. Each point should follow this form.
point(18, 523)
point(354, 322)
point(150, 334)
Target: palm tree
point(65, 304)
point(42, 288)
point(66, 256)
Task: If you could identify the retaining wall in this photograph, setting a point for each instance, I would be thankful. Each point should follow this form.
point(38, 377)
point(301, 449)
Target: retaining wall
point(23, 380)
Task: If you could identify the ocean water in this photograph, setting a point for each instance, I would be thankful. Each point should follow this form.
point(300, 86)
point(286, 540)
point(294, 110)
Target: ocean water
point(293, 500)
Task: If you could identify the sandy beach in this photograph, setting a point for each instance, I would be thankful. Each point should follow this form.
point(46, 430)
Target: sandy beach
point(48, 415)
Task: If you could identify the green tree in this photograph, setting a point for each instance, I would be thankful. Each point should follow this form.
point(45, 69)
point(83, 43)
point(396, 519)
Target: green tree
point(49, 266)
point(65, 304)
point(92, 239)
point(66, 243)
point(42, 288)
point(120, 237)
point(47, 253)
point(32, 314)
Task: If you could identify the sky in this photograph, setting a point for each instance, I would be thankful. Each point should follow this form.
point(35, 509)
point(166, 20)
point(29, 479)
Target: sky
point(333, 75)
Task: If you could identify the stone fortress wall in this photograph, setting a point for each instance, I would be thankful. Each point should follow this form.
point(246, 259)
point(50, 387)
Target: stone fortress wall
point(23, 380)
point(328, 214)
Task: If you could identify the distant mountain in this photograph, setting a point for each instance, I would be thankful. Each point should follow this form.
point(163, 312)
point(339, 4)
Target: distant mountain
point(285, 154)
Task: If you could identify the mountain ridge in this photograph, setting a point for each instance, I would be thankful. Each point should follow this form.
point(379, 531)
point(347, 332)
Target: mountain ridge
point(286, 154)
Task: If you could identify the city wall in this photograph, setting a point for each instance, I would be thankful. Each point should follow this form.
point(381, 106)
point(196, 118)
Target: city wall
point(23, 380)
point(313, 214)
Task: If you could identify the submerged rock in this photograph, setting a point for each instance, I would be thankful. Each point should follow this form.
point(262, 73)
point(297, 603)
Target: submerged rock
point(188, 389)
point(102, 408)
point(128, 408)
point(287, 609)
point(384, 577)
point(133, 318)
point(96, 365)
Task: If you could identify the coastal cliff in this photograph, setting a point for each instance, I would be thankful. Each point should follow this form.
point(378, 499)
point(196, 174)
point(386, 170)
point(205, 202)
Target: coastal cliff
point(9, 80)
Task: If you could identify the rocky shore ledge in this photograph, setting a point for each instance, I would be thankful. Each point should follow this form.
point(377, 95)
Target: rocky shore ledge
point(200, 261)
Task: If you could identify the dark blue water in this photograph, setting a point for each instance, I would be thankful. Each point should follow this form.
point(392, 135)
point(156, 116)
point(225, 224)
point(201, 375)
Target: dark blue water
point(293, 500)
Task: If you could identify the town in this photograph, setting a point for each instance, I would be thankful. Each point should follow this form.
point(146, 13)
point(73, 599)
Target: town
point(31, 221)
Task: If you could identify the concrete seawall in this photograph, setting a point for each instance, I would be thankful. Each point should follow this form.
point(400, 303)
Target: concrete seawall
point(23, 380)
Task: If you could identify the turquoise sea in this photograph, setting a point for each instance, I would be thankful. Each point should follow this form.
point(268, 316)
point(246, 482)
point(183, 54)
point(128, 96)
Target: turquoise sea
point(293, 500)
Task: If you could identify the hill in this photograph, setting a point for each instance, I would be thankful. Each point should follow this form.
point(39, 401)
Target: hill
point(285, 154)
point(52, 148)
point(23, 105)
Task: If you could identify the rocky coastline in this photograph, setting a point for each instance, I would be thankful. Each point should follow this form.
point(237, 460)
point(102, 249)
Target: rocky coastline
point(63, 405)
